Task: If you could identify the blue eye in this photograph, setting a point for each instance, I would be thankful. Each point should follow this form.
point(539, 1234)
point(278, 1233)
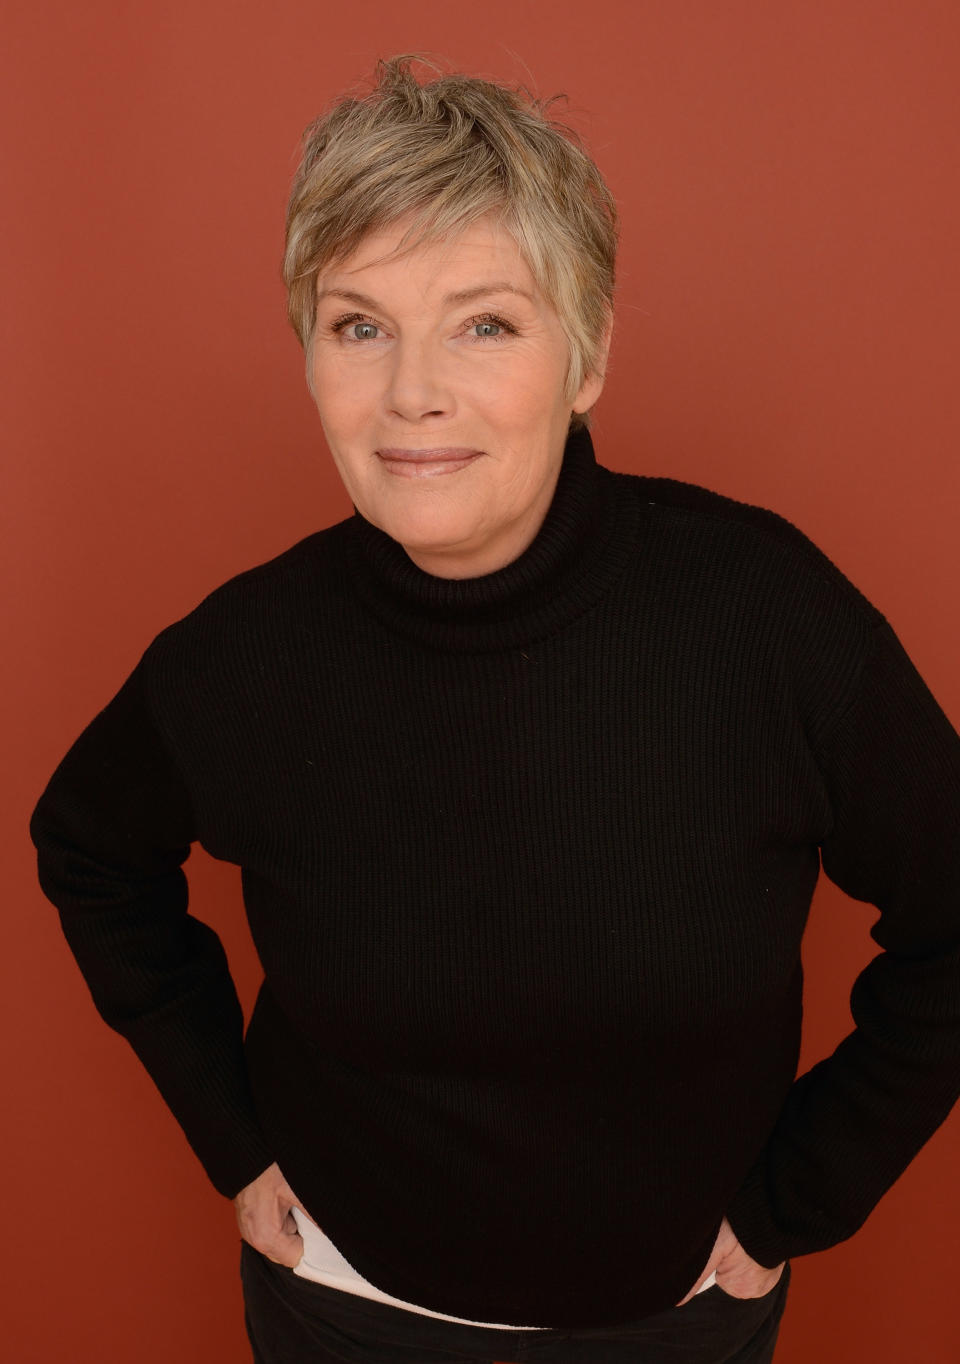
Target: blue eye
point(354, 320)
point(504, 329)
point(498, 328)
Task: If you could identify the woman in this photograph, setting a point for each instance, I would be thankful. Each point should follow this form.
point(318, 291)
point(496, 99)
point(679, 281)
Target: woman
point(529, 767)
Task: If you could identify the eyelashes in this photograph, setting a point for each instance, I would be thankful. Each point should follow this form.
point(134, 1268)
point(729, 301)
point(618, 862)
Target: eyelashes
point(506, 329)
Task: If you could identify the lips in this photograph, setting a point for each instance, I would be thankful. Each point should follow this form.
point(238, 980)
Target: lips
point(427, 463)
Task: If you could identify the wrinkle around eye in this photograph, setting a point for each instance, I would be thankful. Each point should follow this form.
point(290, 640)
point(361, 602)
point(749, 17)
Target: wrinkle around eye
point(337, 329)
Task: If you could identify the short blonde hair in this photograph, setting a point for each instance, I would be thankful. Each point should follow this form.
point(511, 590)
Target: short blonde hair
point(448, 152)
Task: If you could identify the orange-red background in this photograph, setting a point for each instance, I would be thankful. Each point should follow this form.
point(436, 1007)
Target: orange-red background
point(787, 334)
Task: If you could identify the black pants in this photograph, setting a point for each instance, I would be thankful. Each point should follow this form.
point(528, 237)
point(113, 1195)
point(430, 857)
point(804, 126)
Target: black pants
point(291, 1320)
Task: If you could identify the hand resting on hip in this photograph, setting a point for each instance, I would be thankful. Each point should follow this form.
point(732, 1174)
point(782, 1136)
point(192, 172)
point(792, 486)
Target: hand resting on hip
point(265, 1220)
point(737, 1274)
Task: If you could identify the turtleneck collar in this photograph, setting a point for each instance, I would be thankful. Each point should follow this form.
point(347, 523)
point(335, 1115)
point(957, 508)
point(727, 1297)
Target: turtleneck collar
point(579, 549)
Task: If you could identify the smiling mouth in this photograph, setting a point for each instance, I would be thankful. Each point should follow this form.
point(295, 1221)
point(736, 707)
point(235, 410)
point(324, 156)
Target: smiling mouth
point(427, 463)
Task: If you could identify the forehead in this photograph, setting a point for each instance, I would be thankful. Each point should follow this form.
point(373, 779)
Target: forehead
point(484, 253)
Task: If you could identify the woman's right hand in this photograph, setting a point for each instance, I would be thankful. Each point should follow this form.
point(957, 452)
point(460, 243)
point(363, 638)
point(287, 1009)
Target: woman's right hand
point(738, 1274)
point(265, 1220)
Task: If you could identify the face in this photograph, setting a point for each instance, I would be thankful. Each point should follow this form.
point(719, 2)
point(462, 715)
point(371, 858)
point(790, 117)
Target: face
point(439, 381)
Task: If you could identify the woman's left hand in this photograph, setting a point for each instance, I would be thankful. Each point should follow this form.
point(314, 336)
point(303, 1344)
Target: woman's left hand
point(265, 1217)
point(738, 1275)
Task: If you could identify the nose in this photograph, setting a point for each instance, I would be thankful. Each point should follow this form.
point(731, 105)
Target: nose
point(416, 385)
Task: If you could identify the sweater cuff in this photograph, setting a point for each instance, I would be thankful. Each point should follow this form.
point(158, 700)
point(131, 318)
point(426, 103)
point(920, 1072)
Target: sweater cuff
point(751, 1217)
point(241, 1166)
point(193, 1051)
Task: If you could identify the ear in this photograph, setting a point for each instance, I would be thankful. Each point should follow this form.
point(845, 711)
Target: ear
point(592, 386)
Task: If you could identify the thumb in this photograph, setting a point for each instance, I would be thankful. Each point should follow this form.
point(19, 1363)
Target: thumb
point(292, 1201)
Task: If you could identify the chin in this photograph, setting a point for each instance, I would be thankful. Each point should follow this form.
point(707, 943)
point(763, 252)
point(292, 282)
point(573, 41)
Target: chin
point(433, 531)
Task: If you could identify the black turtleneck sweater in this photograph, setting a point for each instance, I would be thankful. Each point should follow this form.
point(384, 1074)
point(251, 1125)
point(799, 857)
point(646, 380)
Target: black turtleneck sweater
point(527, 860)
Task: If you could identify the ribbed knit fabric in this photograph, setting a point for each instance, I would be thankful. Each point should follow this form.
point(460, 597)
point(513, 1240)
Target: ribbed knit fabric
point(527, 860)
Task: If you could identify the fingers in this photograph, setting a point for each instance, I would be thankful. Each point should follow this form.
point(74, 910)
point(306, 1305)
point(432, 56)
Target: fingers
point(264, 1211)
point(282, 1243)
point(284, 1250)
point(725, 1243)
point(265, 1219)
point(747, 1279)
point(737, 1274)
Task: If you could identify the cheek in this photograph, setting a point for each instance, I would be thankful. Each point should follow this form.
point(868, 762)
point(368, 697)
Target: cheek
point(526, 394)
point(355, 475)
point(341, 396)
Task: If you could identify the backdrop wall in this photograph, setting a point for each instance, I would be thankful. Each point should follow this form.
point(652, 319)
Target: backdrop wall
point(786, 334)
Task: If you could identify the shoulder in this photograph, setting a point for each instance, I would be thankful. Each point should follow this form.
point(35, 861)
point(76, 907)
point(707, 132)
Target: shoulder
point(257, 611)
point(747, 582)
point(282, 583)
point(743, 541)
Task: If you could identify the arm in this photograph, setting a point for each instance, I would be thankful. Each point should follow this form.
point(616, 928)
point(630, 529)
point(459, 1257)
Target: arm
point(112, 830)
point(851, 1125)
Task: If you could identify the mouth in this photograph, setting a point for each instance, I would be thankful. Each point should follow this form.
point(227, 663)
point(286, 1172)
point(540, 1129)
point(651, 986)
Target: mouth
point(427, 463)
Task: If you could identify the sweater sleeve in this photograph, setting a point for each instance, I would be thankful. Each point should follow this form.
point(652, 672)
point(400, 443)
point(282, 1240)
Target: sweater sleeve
point(112, 830)
point(851, 1125)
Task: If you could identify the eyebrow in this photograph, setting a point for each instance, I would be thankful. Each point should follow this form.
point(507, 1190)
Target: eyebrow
point(458, 296)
